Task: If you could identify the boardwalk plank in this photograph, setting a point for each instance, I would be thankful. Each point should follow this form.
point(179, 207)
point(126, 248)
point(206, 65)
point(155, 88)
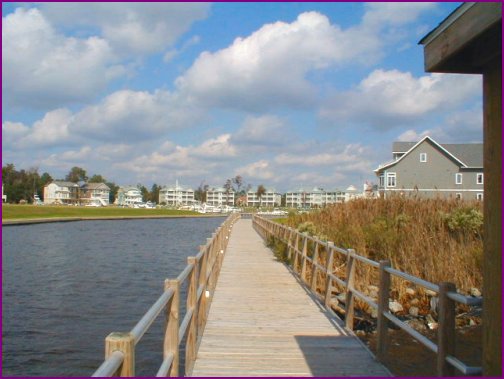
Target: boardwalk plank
point(263, 323)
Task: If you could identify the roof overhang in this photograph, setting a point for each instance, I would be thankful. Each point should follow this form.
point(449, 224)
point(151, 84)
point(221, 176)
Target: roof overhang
point(466, 40)
point(426, 138)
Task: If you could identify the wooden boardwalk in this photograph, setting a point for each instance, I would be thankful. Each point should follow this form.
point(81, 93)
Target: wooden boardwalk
point(262, 322)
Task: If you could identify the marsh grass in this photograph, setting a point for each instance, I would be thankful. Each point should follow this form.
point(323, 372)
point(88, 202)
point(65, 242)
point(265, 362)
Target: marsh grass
point(433, 239)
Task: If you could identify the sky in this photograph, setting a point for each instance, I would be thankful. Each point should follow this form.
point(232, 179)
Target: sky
point(288, 95)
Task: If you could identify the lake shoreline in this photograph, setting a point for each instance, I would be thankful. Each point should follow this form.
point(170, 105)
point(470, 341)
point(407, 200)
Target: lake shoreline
point(15, 222)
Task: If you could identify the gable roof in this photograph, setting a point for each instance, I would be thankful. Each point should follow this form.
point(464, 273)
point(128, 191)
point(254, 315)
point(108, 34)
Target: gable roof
point(62, 183)
point(465, 154)
point(93, 186)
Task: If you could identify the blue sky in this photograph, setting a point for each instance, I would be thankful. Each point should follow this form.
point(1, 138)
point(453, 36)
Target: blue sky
point(287, 95)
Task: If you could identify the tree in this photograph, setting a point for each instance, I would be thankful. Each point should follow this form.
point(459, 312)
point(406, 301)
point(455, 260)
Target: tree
point(261, 190)
point(20, 185)
point(114, 188)
point(154, 193)
point(144, 191)
point(97, 179)
point(76, 174)
point(238, 182)
point(45, 179)
point(200, 193)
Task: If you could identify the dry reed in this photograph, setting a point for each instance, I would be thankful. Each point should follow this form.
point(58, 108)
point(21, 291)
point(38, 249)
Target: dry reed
point(433, 239)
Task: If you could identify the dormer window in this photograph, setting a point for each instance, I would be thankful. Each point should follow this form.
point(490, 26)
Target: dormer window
point(423, 157)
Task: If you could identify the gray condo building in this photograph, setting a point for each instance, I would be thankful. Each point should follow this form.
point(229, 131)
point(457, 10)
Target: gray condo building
point(430, 169)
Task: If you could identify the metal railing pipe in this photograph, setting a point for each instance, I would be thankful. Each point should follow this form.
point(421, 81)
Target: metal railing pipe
point(110, 365)
point(412, 332)
point(413, 279)
point(466, 370)
point(165, 367)
point(184, 274)
point(185, 323)
point(146, 321)
point(471, 301)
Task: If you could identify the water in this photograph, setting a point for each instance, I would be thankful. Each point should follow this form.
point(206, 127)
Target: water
point(66, 286)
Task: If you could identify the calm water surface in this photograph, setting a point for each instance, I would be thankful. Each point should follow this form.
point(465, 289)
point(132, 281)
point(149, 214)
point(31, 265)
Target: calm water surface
point(66, 286)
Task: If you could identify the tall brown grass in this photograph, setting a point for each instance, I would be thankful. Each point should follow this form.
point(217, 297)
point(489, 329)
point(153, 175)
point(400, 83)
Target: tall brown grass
point(433, 239)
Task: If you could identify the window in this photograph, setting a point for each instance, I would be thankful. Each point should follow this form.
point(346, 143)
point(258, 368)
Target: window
point(479, 178)
point(458, 178)
point(479, 196)
point(458, 196)
point(423, 157)
point(382, 180)
point(391, 179)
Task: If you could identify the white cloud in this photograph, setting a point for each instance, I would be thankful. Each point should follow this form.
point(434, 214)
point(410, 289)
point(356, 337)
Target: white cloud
point(385, 99)
point(269, 68)
point(217, 148)
point(12, 133)
point(394, 13)
point(414, 136)
point(263, 130)
point(131, 28)
point(458, 127)
point(51, 130)
point(259, 170)
point(134, 116)
point(42, 68)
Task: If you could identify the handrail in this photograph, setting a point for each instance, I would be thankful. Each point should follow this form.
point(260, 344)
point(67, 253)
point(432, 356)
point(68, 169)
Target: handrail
point(201, 274)
point(299, 255)
point(110, 365)
point(150, 316)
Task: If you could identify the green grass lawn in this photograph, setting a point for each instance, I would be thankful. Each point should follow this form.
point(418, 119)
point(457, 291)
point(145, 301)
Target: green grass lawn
point(12, 212)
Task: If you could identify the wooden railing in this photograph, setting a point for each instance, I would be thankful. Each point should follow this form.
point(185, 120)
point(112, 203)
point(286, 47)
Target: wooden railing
point(201, 274)
point(304, 258)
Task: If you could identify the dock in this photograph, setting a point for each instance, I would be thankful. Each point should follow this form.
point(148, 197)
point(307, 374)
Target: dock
point(263, 322)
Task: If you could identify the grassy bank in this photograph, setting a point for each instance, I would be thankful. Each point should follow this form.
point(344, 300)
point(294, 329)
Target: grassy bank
point(436, 240)
point(25, 212)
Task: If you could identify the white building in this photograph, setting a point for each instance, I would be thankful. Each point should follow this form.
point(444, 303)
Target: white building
point(271, 198)
point(4, 197)
point(176, 195)
point(60, 192)
point(220, 196)
point(128, 196)
point(95, 193)
point(315, 198)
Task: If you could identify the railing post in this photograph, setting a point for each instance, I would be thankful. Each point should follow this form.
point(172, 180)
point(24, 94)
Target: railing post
point(329, 267)
point(192, 304)
point(202, 307)
point(305, 254)
point(296, 250)
point(125, 343)
point(289, 244)
point(350, 285)
point(383, 306)
point(171, 340)
point(446, 329)
point(313, 284)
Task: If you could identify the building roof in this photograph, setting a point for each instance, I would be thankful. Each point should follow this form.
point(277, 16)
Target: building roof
point(402, 147)
point(220, 189)
point(176, 188)
point(93, 186)
point(467, 155)
point(471, 154)
point(62, 183)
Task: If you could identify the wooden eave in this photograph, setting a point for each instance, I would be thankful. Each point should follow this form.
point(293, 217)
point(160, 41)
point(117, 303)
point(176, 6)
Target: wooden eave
point(466, 41)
